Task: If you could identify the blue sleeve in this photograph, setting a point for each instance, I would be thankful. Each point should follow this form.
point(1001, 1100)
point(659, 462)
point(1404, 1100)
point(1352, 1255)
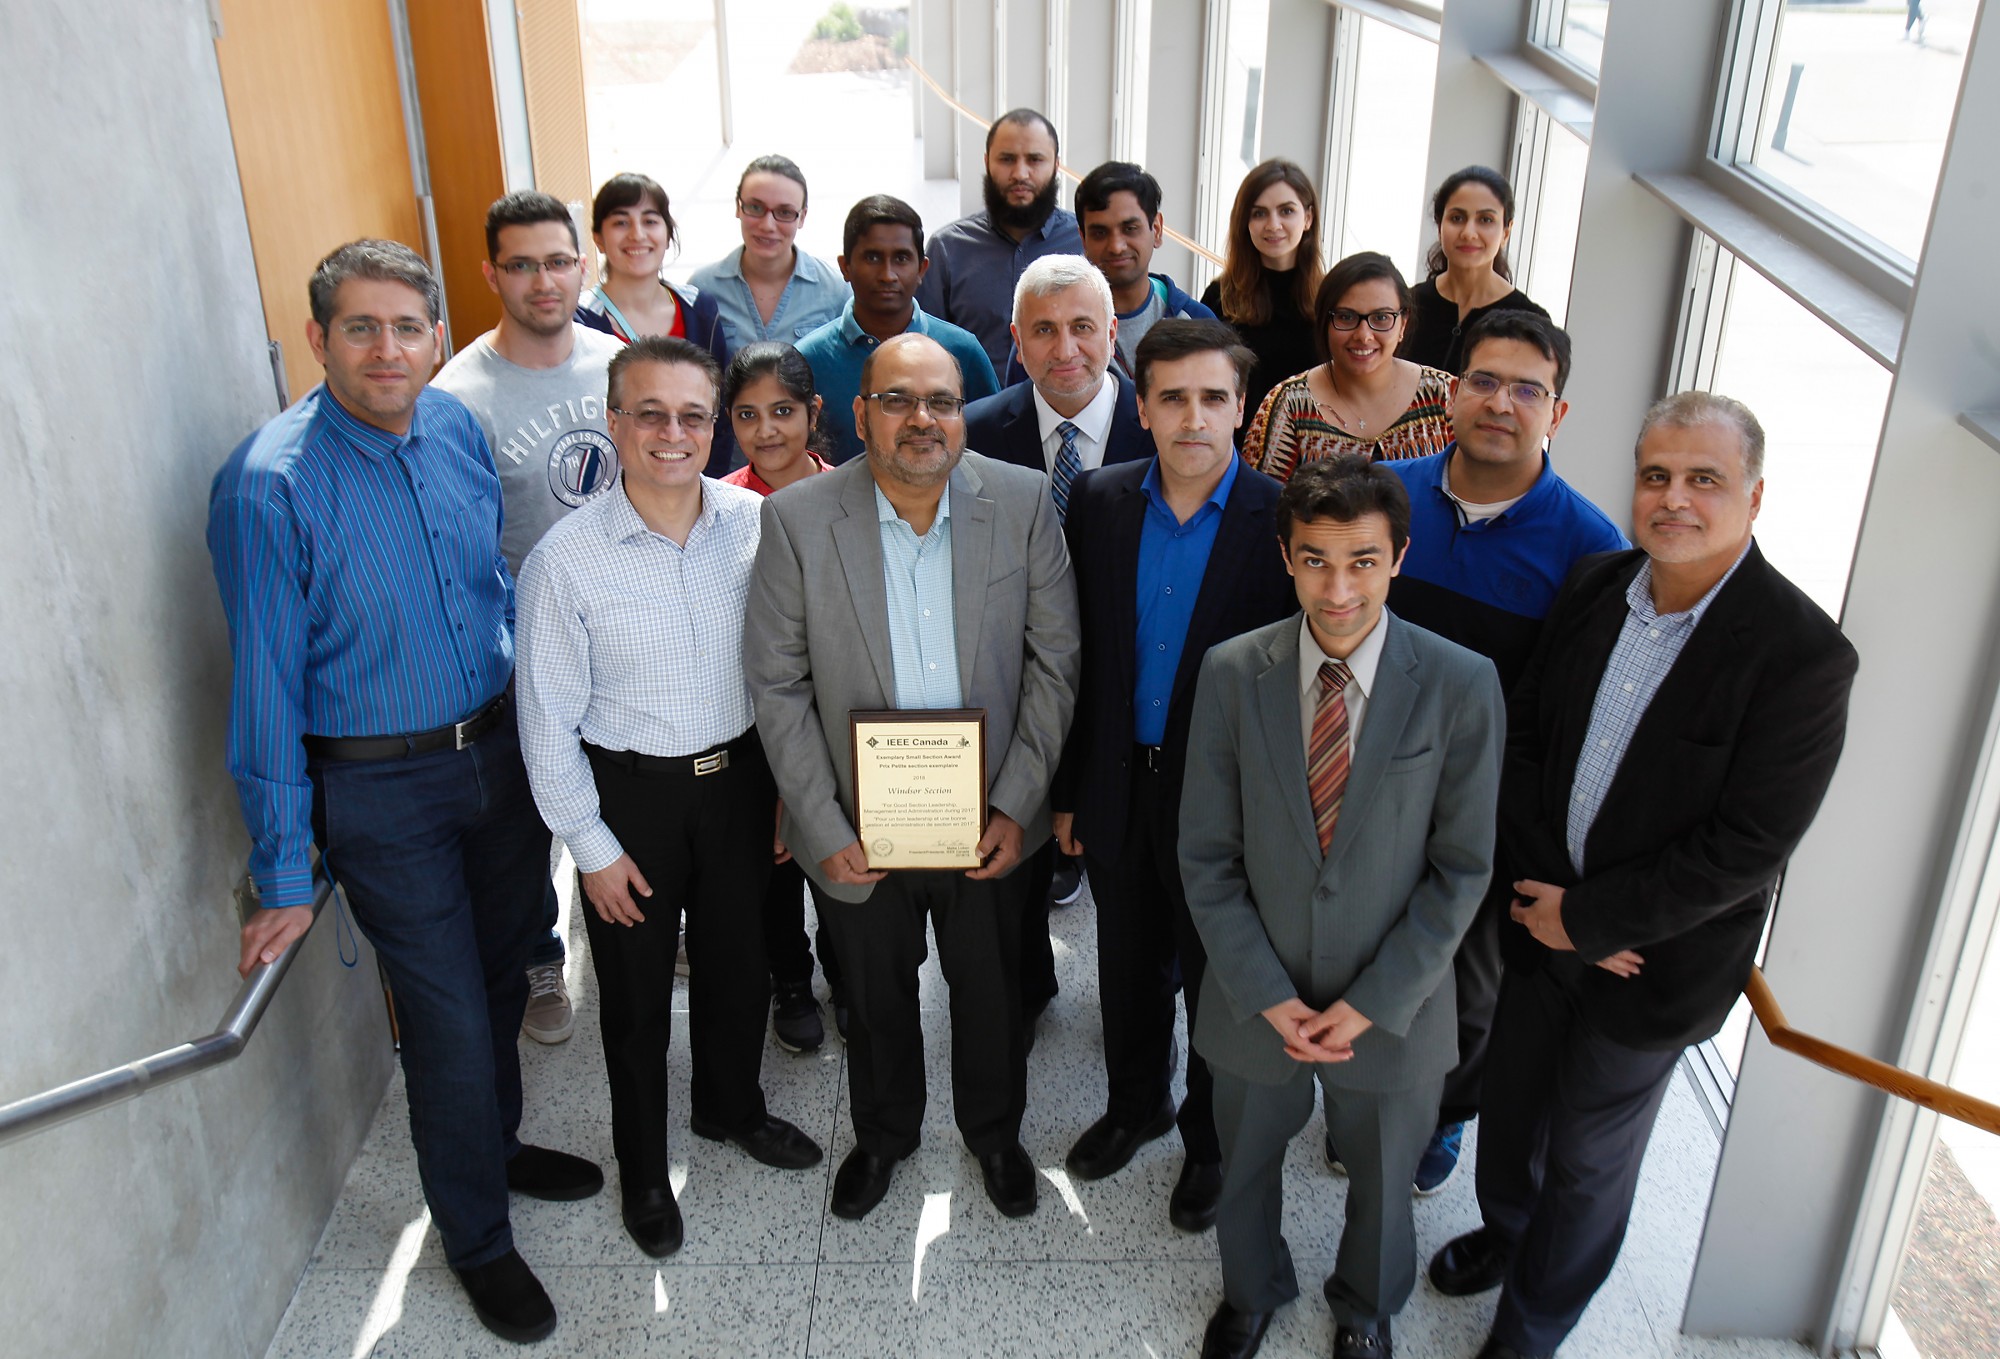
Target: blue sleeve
point(979, 379)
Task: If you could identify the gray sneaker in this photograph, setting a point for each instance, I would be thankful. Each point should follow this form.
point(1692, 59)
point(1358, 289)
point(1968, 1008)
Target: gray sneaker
point(549, 1017)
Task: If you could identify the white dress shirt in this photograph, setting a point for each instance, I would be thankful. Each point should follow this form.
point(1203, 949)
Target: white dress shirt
point(1093, 426)
point(1362, 663)
point(629, 641)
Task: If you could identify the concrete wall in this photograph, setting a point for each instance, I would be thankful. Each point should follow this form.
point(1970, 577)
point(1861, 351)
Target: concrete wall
point(133, 351)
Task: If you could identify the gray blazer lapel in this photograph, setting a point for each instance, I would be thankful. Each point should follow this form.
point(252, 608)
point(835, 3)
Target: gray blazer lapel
point(1278, 705)
point(858, 539)
point(971, 556)
point(1381, 732)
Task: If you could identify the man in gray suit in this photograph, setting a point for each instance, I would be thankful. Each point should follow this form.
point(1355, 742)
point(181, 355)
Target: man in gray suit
point(920, 576)
point(1337, 821)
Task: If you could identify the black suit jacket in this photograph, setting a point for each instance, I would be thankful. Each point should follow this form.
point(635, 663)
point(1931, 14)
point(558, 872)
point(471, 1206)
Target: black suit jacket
point(1003, 426)
point(1724, 773)
point(1244, 587)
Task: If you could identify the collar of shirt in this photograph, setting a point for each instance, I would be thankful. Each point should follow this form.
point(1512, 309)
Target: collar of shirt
point(1218, 497)
point(884, 512)
point(1362, 660)
point(851, 331)
point(1639, 596)
point(374, 442)
point(804, 266)
point(623, 523)
point(1093, 422)
point(1049, 224)
point(1513, 510)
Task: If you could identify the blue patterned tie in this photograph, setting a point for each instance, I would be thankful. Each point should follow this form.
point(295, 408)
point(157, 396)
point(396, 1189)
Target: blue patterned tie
point(1069, 465)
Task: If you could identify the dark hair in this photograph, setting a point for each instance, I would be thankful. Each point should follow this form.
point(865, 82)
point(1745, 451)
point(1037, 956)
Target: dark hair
point(382, 261)
point(1093, 194)
point(1529, 327)
point(776, 165)
point(1168, 341)
point(1501, 189)
point(526, 208)
point(1356, 269)
point(879, 209)
point(628, 191)
point(1245, 299)
point(1019, 116)
point(1343, 488)
point(659, 349)
point(769, 358)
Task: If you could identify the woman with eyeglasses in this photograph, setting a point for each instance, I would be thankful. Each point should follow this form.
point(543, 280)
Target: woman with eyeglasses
point(1469, 275)
point(1362, 399)
point(769, 289)
point(1267, 287)
point(632, 227)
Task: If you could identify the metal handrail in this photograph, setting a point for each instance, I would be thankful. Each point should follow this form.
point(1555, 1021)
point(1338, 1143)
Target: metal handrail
point(38, 1113)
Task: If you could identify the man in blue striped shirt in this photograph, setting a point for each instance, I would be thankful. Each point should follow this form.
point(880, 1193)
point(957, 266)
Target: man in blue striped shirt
point(356, 542)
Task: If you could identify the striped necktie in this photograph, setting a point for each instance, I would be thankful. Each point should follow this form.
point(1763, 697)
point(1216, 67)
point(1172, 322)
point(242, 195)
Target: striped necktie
point(1326, 754)
point(1069, 466)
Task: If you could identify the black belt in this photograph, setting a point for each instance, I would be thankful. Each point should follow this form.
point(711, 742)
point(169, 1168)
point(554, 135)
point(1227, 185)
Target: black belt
point(711, 761)
point(1152, 759)
point(456, 736)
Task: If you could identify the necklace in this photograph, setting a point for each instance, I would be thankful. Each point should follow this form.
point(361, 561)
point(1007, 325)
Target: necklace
point(1360, 425)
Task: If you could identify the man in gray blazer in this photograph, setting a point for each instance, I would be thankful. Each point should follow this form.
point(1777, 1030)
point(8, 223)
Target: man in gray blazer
point(920, 576)
point(1337, 826)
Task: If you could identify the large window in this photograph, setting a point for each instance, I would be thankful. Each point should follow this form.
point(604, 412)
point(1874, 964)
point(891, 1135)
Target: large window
point(1381, 204)
point(1549, 162)
point(1576, 29)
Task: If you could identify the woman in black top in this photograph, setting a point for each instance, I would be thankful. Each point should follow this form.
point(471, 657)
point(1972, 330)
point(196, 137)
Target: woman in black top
point(1474, 213)
point(1267, 287)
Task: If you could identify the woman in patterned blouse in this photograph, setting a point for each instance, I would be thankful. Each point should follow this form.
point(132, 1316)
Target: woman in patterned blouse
point(1363, 399)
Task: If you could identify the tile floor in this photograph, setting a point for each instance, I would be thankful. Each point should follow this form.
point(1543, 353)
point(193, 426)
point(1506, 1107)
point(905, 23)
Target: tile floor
point(934, 1271)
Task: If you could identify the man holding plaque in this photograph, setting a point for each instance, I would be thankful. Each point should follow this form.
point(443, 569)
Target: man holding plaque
point(920, 599)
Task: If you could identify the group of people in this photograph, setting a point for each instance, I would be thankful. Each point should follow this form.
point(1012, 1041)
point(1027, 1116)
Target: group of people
point(1378, 744)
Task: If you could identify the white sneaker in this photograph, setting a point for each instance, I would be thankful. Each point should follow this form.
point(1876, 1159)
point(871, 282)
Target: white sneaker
point(548, 1018)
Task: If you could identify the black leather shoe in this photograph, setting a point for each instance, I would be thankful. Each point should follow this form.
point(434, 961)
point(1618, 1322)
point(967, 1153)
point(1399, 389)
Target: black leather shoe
point(509, 1299)
point(654, 1221)
point(860, 1183)
point(1363, 1342)
point(1010, 1180)
point(1106, 1146)
point(1493, 1349)
point(554, 1175)
point(1232, 1334)
point(1469, 1264)
point(1191, 1207)
point(774, 1142)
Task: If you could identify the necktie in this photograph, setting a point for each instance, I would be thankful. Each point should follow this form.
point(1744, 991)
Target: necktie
point(1069, 466)
point(1326, 754)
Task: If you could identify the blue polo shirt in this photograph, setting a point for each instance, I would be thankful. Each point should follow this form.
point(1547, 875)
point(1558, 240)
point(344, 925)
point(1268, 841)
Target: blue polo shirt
point(837, 350)
point(811, 298)
point(1488, 584)
point(1173, 558)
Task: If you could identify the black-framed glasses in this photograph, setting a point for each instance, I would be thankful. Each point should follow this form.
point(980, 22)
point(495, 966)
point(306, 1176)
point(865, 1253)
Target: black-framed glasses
point(653, 421)
point(1485, 386)
point(900, 404)
point(560, 265)
point(362, 334)
point(784, 212)
point(1340, 318)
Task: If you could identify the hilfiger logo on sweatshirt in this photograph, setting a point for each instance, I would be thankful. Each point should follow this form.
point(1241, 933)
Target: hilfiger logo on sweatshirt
point(582, 463)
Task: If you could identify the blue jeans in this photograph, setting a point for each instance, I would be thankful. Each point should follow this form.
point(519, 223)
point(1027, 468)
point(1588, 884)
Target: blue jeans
point(444, 863)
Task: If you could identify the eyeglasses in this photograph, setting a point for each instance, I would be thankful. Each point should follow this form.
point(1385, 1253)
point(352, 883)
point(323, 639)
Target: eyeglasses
point(1340, 318)
point(653, 421)
point(359, 334)
point(559, 265)
point(1485, 386)
point(899, 404)
point(784, 212)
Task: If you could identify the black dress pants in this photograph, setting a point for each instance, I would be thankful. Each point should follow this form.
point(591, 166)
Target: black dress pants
point(1475, 971)
point(1143, 926)
point(1038, 956)
point(1563, 1127)
point(791, 956)
point(881, 946)
point(703, 844)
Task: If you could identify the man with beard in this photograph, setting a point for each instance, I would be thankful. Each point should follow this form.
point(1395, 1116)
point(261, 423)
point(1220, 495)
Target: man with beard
point(975, 262)
point(535, 384)
point(919, 577)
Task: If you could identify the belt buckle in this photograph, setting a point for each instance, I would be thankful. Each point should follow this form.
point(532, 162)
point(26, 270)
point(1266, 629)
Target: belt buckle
point(461, 732)
point(709, 764)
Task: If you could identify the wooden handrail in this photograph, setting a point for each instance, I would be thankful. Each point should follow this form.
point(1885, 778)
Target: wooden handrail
point(1931, 1094)
point(983, 123)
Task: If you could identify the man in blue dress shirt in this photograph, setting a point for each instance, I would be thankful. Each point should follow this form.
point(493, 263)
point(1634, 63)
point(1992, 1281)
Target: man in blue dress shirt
point(356, 541)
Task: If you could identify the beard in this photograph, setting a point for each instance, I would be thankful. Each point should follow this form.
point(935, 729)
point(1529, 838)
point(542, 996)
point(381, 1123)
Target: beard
point(1010, 218)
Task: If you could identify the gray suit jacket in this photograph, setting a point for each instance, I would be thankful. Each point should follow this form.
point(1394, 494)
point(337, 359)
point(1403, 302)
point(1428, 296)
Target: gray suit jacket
point(816, 642)
point(1377, 920)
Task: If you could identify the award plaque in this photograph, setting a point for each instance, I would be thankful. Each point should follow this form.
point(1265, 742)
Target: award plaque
point(920, 786)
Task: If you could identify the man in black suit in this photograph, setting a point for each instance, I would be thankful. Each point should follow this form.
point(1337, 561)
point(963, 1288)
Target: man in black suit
point(1668, 745)
point(1172, 555)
